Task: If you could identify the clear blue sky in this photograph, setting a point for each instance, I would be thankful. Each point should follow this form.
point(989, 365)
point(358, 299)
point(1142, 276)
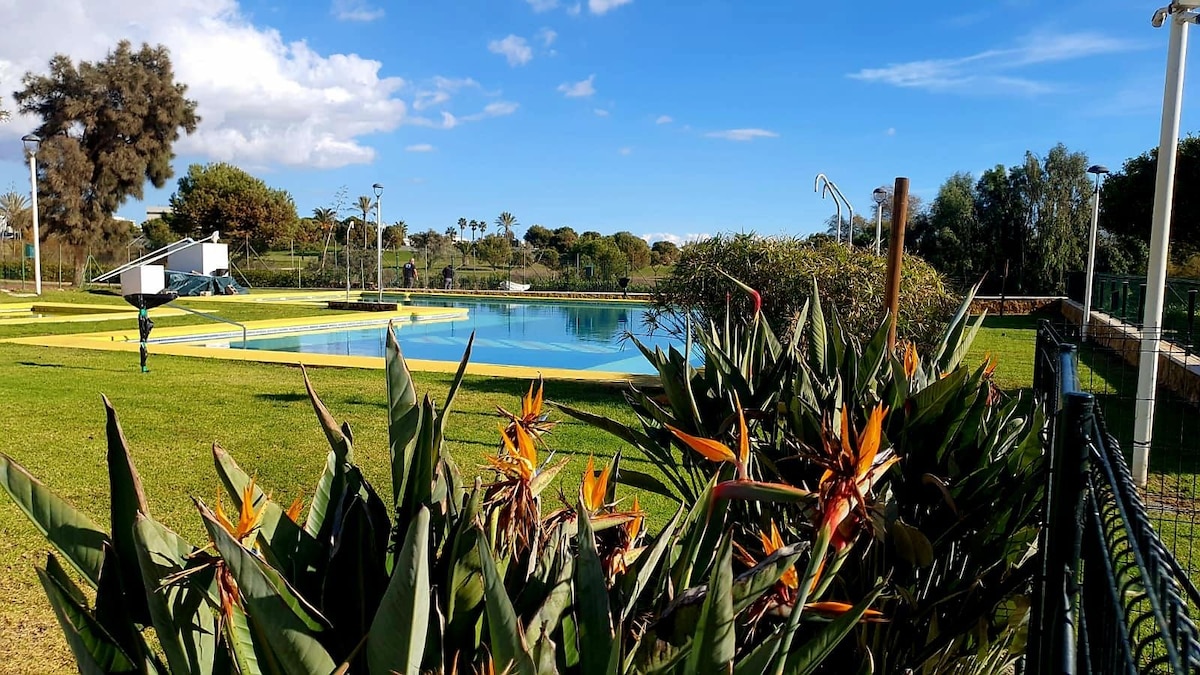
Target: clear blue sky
point(641, 115)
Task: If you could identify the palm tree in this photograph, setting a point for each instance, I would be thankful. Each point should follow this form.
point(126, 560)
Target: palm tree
point(15, 212)
point(462, 228)
point(508, 221)
point(366, 205)
point(474, 228)
point(326, 218)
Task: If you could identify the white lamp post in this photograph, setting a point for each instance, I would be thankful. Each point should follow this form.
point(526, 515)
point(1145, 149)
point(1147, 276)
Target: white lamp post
point(1179, 14)
point(378, 239)
point(349, 227)
point(1099, 170)
point(880, 196)
point(32, 143)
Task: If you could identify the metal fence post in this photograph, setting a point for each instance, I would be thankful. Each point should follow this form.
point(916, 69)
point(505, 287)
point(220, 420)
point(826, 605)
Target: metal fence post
point(1064, 524)
point(1191, 320)
point(1125, 301)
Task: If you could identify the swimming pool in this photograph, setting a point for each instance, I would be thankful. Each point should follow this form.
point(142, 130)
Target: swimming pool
point(539, 334)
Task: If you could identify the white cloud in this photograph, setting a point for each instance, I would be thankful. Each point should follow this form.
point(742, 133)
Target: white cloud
point(355, 10)
point(575, 9)
point(580, 89)
point(265, 101)
point(542, 5)
point(420, 147)
point(988, 72)
point(548, 36)
point(626, 151)
point(664, 119)
point(601, 112)
point(440, 90)
point(677, 239)
point(513, 48)
point(450, 120)
point(742, 134)
point(891, 131)
point(603, 6)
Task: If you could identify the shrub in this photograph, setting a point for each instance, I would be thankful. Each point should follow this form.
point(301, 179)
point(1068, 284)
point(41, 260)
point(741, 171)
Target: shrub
point(783, 270)
point(914, 469)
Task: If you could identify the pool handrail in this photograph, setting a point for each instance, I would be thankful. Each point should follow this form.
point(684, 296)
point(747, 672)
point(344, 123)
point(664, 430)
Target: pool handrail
point(213, 316)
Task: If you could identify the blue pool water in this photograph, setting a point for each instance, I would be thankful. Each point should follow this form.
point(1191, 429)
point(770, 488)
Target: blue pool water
point(572, 335)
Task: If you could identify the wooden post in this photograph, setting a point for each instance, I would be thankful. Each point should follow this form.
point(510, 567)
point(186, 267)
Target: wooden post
point(891, 296)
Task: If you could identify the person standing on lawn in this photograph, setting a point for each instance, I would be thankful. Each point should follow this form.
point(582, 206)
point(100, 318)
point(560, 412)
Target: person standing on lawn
point(410, 273)
point(448, 276)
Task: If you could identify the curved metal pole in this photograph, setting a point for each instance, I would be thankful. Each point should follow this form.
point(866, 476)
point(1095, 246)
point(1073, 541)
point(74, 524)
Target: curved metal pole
point(830, 186)
point(823, 189)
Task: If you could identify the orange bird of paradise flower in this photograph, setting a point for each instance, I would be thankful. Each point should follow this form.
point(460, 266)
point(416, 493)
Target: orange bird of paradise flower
point(718, 451)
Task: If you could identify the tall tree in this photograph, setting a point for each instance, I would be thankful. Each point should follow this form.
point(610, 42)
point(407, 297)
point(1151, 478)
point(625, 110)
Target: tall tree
point(563, 241)
point(664, 253)
point(538, 236)
point(222, 197)
point(948, 237)
point(1063, 208)
point(328, 220)
point(109, 127)
point(16, 214)
point(366, 206)
point(635, 249)
point(462, 229)
point(394, 236)
point(495, 250)
point(507, 222)
point(1127, 199)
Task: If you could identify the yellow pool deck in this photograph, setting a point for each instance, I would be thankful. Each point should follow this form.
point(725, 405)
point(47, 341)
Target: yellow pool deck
point(127, 341)
point(11, 313)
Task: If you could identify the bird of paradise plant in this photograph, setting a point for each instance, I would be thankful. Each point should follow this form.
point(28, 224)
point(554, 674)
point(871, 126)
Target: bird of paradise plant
point(532, 419)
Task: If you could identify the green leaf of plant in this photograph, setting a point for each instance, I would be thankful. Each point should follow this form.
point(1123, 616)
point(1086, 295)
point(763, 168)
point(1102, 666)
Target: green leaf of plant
point(454, 385)
point(183, 620)
point(755, 491)
point(333, 479)
point(596, 645)
point(396, 641)
point(507, 642)
point(751, 584)
point(634, 581)
point(289, 624)
point(557, 599)
point(715, 643)
point(94, 649)
point(759, 659)
point(644, 481)
point(251, 654)
point(404, 415)
point(806, 658)
point(545, 477)
point(292, 548)
point(77, 537)
point(355, 578)
point(127, 500)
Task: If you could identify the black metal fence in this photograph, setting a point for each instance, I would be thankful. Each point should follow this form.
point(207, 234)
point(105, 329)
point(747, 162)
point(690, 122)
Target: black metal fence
point(1111, 597)
point(1123, 297)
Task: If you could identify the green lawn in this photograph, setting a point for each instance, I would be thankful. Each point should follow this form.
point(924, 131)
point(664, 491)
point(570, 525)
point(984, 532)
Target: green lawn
point(53, 421)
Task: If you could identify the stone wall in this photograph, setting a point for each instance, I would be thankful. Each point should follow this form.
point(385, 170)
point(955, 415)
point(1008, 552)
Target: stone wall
point(1017, 305)
point(1178, 371)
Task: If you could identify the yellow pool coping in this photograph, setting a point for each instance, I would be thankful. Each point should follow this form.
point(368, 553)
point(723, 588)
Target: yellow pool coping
point(75, 313)
point(320, 297)
point(127, 341)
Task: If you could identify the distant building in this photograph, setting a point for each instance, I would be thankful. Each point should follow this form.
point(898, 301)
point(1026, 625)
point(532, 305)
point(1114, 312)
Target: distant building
point(153, 212)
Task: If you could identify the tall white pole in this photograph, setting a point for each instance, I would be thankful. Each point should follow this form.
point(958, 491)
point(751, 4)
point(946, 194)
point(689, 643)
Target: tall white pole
point(1156, 274)
point(37, 235)
point(878, 226)
point(1091, 264)
point(379, 245)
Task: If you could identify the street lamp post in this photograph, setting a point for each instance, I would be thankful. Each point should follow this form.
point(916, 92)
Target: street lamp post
point(349, 227)
point(880, 195)
point(1179, 14)
point(32, 143)
point(378, 239)
point(1099, 170)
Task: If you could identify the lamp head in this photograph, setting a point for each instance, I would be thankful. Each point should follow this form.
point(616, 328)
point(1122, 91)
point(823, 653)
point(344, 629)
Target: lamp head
point(879, 195)
point(32, 142)
point(1098, 169)
point(378, 190)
